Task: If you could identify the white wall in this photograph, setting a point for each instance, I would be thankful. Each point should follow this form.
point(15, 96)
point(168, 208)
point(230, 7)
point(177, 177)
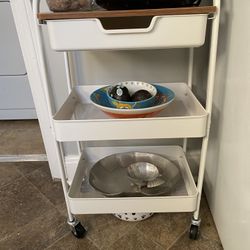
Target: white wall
point(150, 66)
point(228, 163)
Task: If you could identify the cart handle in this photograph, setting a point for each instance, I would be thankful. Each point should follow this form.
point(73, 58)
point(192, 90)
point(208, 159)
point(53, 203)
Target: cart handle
point(127, 31)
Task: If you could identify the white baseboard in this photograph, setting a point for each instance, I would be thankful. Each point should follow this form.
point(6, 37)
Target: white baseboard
point(17, 114)
point(23, 158)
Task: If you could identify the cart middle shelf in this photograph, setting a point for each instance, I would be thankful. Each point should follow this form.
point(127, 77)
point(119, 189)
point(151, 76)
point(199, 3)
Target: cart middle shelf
point(79, 120)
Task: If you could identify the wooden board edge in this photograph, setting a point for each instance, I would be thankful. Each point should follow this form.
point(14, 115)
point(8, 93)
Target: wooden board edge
point(126, 13)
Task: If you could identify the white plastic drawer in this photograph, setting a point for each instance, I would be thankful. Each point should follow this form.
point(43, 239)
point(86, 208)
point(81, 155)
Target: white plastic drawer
point(163, 32)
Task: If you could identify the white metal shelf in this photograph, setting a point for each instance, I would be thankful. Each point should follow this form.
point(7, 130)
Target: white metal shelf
point(84, 199)
point(184, 117)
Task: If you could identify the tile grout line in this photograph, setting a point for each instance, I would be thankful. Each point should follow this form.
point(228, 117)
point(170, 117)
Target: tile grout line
point(142, 234)
point(202, 236)
point(56, 241)
point(24, 177)
point(119, 237)
point(89, 238)
point(47, 200)
point(7, 236)
point(42, 194)
point(177, 238)
point(36, 188)
point(93, 242)
point(208, 238)
point(9, 183)
point(6, 185)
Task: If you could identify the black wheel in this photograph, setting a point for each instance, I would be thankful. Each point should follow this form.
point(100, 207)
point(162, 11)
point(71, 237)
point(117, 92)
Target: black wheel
point(78, 230)
point(194, 232)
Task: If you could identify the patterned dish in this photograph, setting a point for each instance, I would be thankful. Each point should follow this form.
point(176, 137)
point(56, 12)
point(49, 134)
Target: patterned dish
point(163, 98)
point(133, 87)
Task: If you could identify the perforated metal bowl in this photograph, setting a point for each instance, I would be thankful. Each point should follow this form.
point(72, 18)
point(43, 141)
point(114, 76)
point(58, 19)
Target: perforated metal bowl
point(133, 216)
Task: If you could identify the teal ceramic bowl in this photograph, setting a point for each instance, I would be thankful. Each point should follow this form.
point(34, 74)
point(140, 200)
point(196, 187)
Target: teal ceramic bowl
point(133, 87)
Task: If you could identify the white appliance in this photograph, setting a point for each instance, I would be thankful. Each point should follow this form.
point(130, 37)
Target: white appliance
point(15, 96)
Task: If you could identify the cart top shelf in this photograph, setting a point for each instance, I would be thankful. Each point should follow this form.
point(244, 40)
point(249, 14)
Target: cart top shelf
point(126, 13)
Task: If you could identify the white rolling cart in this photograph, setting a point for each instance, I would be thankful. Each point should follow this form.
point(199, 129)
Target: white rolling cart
point(78, 120)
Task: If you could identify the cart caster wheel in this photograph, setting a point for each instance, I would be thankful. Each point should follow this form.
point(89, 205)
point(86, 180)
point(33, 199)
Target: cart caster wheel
point(77, 229)
point(194, 232)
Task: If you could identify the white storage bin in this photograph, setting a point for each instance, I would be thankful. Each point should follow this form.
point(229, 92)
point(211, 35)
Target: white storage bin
point(184, 117)
point(85, 200)
point(163, 32)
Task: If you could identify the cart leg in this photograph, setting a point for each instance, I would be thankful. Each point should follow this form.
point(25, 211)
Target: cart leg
point(75, 226)
point(195, 224)
point(77, 229)
point(196, 221)
point(190, 83)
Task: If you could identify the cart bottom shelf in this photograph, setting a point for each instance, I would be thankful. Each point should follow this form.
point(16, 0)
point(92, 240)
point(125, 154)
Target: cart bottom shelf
point(84, 199)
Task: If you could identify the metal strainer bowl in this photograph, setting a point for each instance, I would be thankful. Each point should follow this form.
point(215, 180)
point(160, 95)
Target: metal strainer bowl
point(143, 171)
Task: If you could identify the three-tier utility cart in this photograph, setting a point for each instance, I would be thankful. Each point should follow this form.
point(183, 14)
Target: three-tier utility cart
point(78, 120)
